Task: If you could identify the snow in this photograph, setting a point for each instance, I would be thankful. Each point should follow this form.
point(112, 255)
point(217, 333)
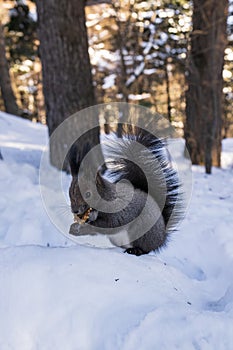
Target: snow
point(109, 81)
point(139, 96)
point(149, 71)
point(103, 58)
point(138, 70)
point(55, 294)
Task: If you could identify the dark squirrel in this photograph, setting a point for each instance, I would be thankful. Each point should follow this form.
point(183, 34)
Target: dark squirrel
point(148, 189)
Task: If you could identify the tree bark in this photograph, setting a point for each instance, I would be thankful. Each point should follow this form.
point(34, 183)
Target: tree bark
point(97, 2)
point(167, 80)
point(67, 79)
point(204, 78)
point(5, 80)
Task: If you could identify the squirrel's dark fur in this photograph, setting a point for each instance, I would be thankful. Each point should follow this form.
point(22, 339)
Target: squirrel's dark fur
point(155, 187)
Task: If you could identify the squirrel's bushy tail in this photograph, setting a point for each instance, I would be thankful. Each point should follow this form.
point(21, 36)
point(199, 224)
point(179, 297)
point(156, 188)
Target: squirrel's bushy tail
point(147, 167)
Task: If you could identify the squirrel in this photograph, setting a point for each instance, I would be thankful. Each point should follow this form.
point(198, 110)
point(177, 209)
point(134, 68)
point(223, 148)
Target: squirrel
point(143, 181)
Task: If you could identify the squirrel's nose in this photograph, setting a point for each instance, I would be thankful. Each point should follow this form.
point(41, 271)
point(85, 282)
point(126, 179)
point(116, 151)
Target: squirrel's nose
point(80, 209)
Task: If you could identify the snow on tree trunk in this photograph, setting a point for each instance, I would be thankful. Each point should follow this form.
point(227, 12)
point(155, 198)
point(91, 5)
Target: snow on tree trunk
point(204, 95)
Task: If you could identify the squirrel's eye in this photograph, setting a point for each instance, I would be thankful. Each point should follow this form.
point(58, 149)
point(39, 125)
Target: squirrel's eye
point(88, 194)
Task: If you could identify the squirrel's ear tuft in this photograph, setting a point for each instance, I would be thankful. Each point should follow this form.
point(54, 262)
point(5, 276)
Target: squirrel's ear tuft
point(99, 180)
point(72, 159)
point(75, 156)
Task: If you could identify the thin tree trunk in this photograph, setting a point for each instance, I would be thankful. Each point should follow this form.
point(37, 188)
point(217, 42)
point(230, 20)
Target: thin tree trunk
point(169, 108)
point(123, 74)
point(204, 95)
point(5, 80)
point(67, 79)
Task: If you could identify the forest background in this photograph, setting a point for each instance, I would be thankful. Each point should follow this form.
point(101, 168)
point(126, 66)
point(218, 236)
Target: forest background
point(139, 52)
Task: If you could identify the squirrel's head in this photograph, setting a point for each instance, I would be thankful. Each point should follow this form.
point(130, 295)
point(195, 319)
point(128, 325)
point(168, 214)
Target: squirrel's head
point(79, 201)
point(88, 184)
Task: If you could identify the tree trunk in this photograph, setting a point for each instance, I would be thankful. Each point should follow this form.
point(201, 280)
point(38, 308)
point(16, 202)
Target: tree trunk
point(67, 79)
point(5, 80)
point(167, 80)
point(122, 78)
point(97, 2)
point(204, 78)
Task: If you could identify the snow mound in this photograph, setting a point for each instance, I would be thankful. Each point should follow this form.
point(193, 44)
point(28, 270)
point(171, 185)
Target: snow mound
point(57, 295)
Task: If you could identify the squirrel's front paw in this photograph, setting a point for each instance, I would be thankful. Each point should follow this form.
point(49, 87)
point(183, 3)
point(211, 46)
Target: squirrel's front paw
point(75, 229)
point(81, 230)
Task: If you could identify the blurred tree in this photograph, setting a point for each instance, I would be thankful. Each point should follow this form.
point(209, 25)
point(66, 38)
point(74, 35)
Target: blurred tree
point(228, 78)
point(228, 91)
point(67, 79)
point(141, 47)
point(205, 83)
point(22, 44)
point(5, 80)
point(21, 34)
point(97, 2)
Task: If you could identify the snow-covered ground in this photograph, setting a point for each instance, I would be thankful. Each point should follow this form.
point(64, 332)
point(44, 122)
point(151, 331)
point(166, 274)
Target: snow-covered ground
point(55, 294)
